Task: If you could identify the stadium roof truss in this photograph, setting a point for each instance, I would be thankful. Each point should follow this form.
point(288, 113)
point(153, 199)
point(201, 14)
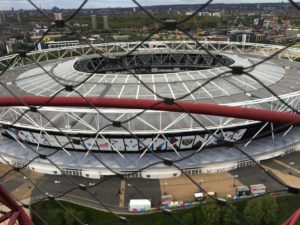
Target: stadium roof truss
point(83, 50)
point(91, 122)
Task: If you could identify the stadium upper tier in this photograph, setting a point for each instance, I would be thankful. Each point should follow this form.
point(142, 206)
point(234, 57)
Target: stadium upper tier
point(174, 70)
point(170, 74)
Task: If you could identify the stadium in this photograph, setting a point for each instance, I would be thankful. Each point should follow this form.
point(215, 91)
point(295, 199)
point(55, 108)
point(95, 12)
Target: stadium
point(73, 137)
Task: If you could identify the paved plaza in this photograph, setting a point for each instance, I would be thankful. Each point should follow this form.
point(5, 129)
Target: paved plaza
point(116, 193)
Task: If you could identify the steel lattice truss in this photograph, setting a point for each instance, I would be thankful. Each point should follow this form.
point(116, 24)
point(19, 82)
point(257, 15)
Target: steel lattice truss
point(122, 47)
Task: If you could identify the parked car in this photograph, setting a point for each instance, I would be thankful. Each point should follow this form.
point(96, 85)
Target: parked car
point(199, 196)
point(258, 189)
point(242, 192)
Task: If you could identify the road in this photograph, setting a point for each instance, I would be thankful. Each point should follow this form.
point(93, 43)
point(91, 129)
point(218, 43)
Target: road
point(114, 192)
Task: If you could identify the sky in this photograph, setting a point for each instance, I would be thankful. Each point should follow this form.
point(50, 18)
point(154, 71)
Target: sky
point(48, 4)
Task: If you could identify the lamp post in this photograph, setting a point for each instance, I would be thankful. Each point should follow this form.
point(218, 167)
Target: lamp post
point(200, 182)
point(234, 179)
point(165, 184)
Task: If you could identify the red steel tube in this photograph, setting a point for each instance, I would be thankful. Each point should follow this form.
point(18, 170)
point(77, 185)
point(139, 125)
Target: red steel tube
point(5, 216)
point(180, 106)
point(17, 212)
point(13, 218)
point(293, 219)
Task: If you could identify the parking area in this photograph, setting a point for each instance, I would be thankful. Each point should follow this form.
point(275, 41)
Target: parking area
point(117, 193)
point(286, 168)
point(182, 188)
point(145, 188)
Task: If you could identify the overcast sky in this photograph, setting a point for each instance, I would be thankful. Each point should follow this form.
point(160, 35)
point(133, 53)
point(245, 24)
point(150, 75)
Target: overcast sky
point(23, 4)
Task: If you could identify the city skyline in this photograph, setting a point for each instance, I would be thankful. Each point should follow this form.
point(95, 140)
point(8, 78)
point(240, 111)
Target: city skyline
point(48, 4)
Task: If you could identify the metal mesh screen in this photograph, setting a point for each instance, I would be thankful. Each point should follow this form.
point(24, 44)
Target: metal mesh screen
point(54, 114)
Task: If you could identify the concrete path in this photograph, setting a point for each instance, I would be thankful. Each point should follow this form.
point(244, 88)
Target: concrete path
point(122, 193)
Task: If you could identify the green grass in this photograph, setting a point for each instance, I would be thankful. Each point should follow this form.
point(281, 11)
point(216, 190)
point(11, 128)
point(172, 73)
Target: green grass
point(287, 205)
point(53, 213)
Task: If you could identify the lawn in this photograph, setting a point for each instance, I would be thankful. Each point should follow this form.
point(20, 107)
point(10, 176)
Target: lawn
point(52, 213)
point(287, 205)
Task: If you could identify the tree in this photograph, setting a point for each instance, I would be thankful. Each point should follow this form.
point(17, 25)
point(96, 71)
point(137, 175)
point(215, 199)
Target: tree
point(71, 220)
point(253, 211)
point(82, 216)
point(229, 216)
point(211, 214)
point(55, 215)
point(188, 219)
point(199, 217)
point(270, 209)
point(58, 219)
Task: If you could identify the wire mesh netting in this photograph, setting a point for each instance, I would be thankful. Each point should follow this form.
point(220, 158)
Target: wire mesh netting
point(123, 112)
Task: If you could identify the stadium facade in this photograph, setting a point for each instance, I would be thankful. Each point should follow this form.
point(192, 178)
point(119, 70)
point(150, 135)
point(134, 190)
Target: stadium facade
point(82, 141)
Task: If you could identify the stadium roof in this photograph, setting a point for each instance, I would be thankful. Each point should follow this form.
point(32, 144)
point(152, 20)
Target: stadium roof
point(280, 75)
point(170, 85)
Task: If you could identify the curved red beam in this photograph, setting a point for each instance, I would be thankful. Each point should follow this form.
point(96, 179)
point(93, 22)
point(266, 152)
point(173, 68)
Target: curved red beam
point(180, 106)
point(293, 219)
point(17, 212)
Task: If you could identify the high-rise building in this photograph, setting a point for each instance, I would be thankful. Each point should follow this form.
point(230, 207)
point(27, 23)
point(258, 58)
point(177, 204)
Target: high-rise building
point(18, 16)
point(105, 23)
point(58, 16)
point(258, 6)
point(2, 18)
point(3, 49)
point(94, 22)
point(259, 22)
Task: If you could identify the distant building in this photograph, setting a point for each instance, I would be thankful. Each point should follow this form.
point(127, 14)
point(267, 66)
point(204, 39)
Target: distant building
point(58, 16)
point(259, 22)
point(240, 36)
point(3, 48)
point(286, 24)
point(18, 16)
point(245, 36)
point(279, 38)
point(94, 22)
point(267, 23)
point(55, 44)
point(120, 37)
point(258, 6)
point(215, 14)
point(223, 38)
point(2, 18)
point(204, 14)
point(258, 37)
point(105, 23)
point(292, 33)
point(97, 37)
point(189, 13)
